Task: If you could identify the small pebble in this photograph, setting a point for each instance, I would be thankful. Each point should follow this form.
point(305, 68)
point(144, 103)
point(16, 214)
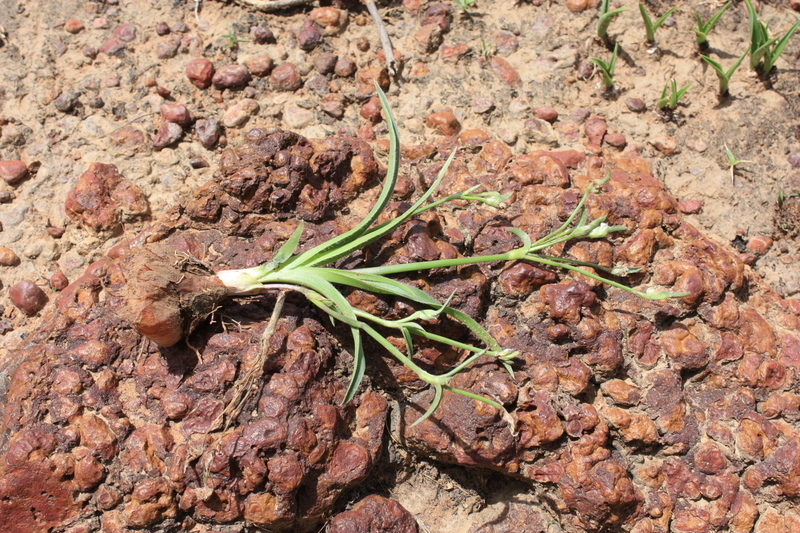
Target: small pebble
point(95, 102)
point(333, 105)
point(546, 113)
point(163, 91)
point(177, 113)
point(112, 46)
point(6, 197)
point(759, 244)
point(200, 71)
point(55, 232)
point(73, 26)
point(325, 63)
point(362, 43)
point(444, 121)
point(27, 297)
point(345, 67)
point(635, 104)
point(58, 281)
point(66, 101)
point(13, 171)
point(8, 257)
point(310, 36)
point(794, 159)
point(90, 51)
point(482, 105)
point(585, 70)
point(100, 23)
point(576, 6)
point(208, 131)
point(665, 144)
point(168, 133)
point(617, 140)
point(198, 162)
point(168, 48)
point(285, 77)
point(111, 81)
point(505, 72)
point(162, 28)
point(690, 207)
point(697, 145)
point(580, 115)
point(125, 32)
point(262, 35)
point(239, 113)
point(372, 110)
point(230, 77)
point(179, 27)
point(260, 66)
point(297, 117)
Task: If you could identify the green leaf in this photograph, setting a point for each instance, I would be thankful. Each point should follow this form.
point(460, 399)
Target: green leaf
point(772, 56)
point(288, 248)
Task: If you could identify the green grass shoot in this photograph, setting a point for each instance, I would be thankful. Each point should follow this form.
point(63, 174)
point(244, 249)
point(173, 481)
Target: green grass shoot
point(607, 69)
point(671, 95)
point(650, 27)
point(724, 75)
point(606, 17)
point(765, 50)
point(704, 28)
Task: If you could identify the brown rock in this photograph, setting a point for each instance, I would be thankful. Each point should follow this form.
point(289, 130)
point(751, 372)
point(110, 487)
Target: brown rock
point(759, 244)
point(444, 121)
point(168, 133)
point(125, 32)
point(325, 63)
point(58, 281)
point(665, 144)
point(13, 171)
point(260, 66)
point(371, 110)
point(168, 48)
point(73, 26)
point(208, 131)
point(345, 67)
point(285, 77)
point(546, 113)
point(366, 79)
point(595, 129)
point(617, 140)
point(262, 35)
point(331, 19)
point(576, 6)
point(27, 297)
point(428, 38)
point(177, 113)
point(372, 514)
point(505, 72)
point(690, 207)
point(200, 72)
point(8, 257)
point(309, 36)
point(685, 350)
point(230, 77)
point(112, 46)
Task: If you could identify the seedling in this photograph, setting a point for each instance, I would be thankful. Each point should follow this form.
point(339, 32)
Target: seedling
point(233, 41)
point(704, 28)
point(724, 75)
point(465, 6)
point(782, 197)
point(764, 50)
point(606, 17)
point(732, 162)
point(607, 69)
point(649, 26)
point(308, 274)
point(487, 50)
point(671, 95)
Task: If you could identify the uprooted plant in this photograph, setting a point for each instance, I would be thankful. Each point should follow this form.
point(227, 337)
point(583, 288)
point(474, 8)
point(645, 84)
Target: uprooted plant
point(309, 274)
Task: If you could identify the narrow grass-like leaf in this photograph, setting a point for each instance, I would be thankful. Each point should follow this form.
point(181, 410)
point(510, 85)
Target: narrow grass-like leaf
point(606, 17)
point(704, 28)
point(607, 69)
point(723, 75)
point(650, 27)
point(774, 54)
point(341, 242)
